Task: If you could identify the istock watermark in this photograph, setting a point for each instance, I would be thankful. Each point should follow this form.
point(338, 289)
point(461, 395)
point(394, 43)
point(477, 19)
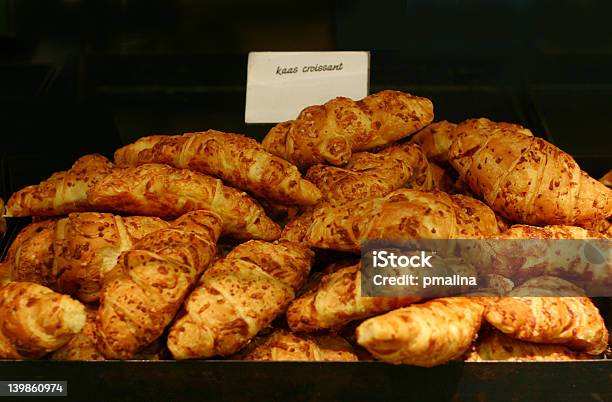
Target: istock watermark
point(438, 268)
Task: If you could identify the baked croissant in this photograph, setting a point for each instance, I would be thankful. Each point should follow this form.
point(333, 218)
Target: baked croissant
point(61, 193)
point(435, 140)
point(36, 320)
point(426, 334)
point(30, 256)
point(83, 345)
point(402, 214)
point(87, 246)
point(524, 252)
point(164, 191)
point(369, 175)
point(144, 291)
point(544, 310)
point(238, 160)
point(285, 346)
point(329, 133)
point(525, 178)
point(336, 301)
point(237, 297)
point(495, 345)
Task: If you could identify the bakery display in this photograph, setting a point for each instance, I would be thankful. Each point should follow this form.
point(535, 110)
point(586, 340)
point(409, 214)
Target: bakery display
point(330, 133)
point(210, 245)
point(238, 160)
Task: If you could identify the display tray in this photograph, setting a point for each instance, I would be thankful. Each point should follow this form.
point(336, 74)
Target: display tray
point(227, 380)
point(284, 381)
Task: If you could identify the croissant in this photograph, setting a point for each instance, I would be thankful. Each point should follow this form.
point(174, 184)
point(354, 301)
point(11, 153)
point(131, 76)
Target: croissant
point(88, 244)
point(36, 320)
point(237, 297)
point(63, 192)
point(402, 214)
point(369, 175)
point(336, 301)
point(558, 318)
point(144, 291)
point(329, 133)
point(494, 345)
point(238, 160)
point(82, 346)
point(435, 140)
point(506, 254)
point(285, 346)
point(164, 191)
point(525, 178)
point(30, 256)
point(426, 334)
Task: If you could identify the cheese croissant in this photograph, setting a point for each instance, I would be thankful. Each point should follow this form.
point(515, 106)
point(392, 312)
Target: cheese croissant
point(543, 310)
point(435, 140)
point(237, 297)
point(87, 246)
point(30, 256)
point(61, 193)
point(82, 346)
point(238, 160)
point(144, 291)
point(544, 252)
point(426, 334)
point(36, 320)
point(494, 345)
point(285, 346)
point(369, 175)
point(329, 133)
point(164, 191)
point(336, 301)
point(525, 178)
point(402, 214)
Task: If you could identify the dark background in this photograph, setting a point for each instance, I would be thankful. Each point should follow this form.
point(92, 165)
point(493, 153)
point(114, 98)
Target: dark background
point(80, 76)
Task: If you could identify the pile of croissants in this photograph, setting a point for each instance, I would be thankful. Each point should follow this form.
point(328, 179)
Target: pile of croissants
point(212, 245)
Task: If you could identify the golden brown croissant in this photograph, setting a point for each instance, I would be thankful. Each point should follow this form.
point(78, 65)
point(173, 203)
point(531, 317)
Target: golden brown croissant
point(495, 345)
point(83, 345)
point(36, 320)
point(543, 310)
point(520, 260)
point(87, 246)
point(285, 346)
point(164, 191)
point(237, 297)
point(63, 192)
point(435, 140)
point(402, 214)
point(336, 301)
point(144, 291)
point(329, 133)
point(238, 160)
point(369, 175)
point(426, 334)
point(525, 178)
point(30, 256)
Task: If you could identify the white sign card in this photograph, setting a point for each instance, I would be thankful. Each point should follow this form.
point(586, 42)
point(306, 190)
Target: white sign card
point(281, 84)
